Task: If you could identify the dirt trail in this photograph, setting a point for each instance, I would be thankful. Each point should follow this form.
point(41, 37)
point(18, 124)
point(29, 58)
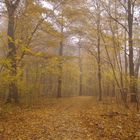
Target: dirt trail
point(75, 118)
point(58, 120)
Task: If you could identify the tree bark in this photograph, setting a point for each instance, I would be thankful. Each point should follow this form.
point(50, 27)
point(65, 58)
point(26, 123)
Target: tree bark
point(99, 52)
point(131, 55)
point(13, 90)
point(60, 67)
point(81, 73)
point(137, 67)
point(130, 34)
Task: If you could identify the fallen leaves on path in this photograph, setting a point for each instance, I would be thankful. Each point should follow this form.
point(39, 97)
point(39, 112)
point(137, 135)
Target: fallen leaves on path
point(79, 118)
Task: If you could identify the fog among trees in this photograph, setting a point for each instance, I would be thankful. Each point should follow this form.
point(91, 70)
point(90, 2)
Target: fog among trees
point(69, 69)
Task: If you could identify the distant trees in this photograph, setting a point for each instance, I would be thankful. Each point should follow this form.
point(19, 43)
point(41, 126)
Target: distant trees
point(95, 63)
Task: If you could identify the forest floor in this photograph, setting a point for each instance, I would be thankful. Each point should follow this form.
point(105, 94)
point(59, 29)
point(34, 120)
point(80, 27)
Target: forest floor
point(74, 118)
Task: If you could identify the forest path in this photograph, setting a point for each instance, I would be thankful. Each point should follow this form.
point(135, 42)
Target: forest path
point(73, 118)
point(57, 120)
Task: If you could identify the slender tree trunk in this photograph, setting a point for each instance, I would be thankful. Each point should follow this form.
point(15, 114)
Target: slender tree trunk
point(59, 89)
point(60, 67)
point(137, 67)
point(114, 74)
point(81, 73)
point(99, 52)
point(130, 34)
point(125, 55)
point(126, 62)
point(99, 70)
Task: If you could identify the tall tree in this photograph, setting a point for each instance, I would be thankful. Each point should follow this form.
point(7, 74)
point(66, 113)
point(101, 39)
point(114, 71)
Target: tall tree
point(99, 49)
point(11, 10)
point(131, 48)
point(60, 76)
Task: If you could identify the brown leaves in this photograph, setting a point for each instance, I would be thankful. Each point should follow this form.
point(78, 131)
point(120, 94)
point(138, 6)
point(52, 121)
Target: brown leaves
point(111, 125)
point(70, 119)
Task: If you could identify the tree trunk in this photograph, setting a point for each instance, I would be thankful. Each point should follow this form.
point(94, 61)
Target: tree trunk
point(131, 55)
point(81, 73)
point(60, 67)
point(137, 67)
point(13, 90)
point(99, 70)
point(99, 52)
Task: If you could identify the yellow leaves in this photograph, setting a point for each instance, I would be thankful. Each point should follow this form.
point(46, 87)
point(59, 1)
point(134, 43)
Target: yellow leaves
point(2, 34)
point(71, 67)
point(26, 50)
point(72, 13)
point(5, 73)
point(33, 9)
point(48, 28)
point(109, 74)
point(5, 62)
point(53, 65)
point(53, 43)
point(39, 54)
point(11, 39)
